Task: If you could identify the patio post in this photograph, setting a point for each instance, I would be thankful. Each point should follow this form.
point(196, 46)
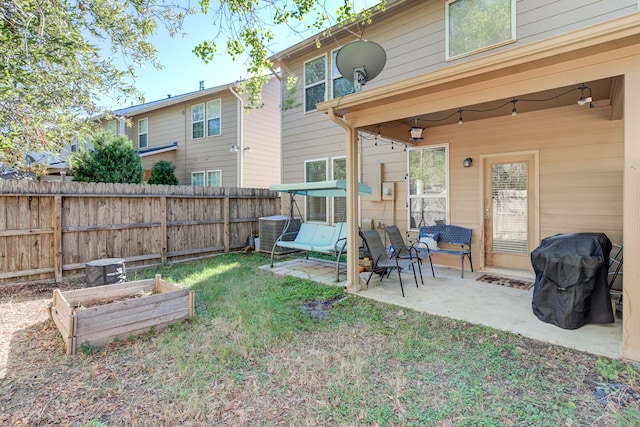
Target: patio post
point(351, 141)
point(631, 216)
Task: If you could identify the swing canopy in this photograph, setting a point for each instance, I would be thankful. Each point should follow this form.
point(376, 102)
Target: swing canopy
point(336, 188)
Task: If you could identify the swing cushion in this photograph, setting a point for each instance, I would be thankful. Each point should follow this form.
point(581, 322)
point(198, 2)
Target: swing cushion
point(318, 238)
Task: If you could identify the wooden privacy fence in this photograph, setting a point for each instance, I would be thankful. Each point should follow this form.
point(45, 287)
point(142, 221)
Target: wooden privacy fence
point(52, 229)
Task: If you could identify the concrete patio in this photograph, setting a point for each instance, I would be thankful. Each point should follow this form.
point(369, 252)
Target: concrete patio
point(500, 307)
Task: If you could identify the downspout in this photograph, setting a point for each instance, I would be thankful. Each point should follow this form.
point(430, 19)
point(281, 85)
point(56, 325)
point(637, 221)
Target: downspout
point(353, 277)
point(240, 142)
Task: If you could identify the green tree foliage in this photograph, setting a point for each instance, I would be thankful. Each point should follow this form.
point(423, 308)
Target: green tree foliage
point(57, 56)
point(113, 159)
point(163, 172)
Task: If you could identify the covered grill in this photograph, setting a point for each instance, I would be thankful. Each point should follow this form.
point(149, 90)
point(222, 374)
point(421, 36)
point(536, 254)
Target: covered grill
point(571, 287)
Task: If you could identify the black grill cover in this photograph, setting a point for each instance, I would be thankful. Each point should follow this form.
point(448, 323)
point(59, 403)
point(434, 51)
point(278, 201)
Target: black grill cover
point(571, 286)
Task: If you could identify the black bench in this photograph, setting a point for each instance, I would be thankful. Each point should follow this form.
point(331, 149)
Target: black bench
point(449, 235)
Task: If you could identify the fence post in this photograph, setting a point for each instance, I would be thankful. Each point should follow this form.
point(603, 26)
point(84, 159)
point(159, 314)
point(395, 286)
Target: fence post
point(56, 225)
point(226, 213)
point(164, 244)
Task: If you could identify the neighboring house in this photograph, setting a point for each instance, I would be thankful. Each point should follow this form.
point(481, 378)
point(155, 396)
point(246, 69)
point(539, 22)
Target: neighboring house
point(208, 136)
point(513, 147)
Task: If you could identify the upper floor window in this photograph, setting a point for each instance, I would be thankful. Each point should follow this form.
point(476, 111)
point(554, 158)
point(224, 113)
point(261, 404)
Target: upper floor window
point(428, 186)
point(214, 117)
point(476, 25)
point(197, 121)
point(143, 133)
point(111, 127)
point(315, 82)
point(339, 85)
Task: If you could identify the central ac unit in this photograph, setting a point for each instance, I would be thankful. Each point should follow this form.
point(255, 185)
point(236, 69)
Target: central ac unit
point(271, 227)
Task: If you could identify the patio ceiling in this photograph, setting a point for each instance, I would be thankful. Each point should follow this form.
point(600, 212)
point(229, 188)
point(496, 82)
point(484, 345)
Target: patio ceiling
point(398, 130)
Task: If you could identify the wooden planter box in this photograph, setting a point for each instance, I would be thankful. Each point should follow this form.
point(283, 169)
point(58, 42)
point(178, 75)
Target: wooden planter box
point(101, 314)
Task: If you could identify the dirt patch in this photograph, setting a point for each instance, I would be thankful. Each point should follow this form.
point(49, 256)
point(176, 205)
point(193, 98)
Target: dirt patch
point(319, 309)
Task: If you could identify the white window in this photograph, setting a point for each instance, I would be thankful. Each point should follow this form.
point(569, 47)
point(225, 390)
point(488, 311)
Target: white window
point(111, 127)
point(475, 25)
point(428, 186)
point(197, 179)
point(197, 121)
point(339, 85)
point(214, 178)
point(339, 171)
point(315, 207)
point(214, 117)
point(315, 82)
point(143, 133)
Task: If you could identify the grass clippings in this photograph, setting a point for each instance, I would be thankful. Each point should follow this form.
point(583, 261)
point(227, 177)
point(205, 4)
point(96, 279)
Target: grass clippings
point(254, 356)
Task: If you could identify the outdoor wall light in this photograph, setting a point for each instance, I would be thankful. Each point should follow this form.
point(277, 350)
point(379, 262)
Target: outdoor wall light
point(234, 149)
point(585, 100)
point(416, 132)
point(467, 162)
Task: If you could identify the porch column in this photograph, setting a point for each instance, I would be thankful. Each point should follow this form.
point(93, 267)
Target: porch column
point(353, 276)
point(631, 218)
point(351, 141)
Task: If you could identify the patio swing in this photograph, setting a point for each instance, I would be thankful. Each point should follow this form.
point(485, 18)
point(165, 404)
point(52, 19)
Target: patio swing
point(315, 237)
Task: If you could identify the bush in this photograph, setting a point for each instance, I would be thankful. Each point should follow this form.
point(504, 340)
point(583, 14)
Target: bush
point(113, 159)
point(162, 173)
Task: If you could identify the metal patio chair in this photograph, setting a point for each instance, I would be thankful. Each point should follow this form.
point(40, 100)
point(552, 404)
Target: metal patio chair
point(402, 250)
point(382, 260)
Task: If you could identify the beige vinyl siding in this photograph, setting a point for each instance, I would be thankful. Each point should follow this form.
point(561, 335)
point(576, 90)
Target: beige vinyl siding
point(165, 126)
point(261, 167)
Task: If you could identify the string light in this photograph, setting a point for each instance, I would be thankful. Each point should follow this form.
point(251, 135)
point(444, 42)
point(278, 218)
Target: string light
point(585, 98)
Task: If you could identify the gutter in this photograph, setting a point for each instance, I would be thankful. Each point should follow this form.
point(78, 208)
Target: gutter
point(240, 142)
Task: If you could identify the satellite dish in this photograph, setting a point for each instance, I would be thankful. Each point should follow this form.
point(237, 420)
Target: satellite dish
point(360, 61)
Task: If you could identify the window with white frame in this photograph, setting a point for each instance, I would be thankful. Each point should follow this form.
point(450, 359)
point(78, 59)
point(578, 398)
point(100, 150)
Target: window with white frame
point(315, 82)
point(143, 133)
point(339, 85)
point(339, 171)
point(214, 115)
point(111, 127)
point(214, 178)
point(428, 186)
point(197, 121)
point(197, 179)
point(315, 207)
point(475, 25)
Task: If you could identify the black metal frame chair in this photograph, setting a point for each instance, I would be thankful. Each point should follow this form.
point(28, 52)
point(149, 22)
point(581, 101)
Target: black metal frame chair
point(382, 260)
point(402, 250)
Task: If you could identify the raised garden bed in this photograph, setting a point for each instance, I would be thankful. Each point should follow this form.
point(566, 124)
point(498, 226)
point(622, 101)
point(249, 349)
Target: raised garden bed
point(102, 314)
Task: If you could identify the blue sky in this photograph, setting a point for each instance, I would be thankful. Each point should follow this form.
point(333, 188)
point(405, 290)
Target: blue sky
point(183, 72)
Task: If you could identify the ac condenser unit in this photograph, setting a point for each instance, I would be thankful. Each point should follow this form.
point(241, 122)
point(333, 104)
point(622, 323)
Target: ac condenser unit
point(271, 227)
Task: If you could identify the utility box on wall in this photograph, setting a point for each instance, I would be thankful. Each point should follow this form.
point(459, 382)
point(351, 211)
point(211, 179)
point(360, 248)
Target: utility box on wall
point(388, 191)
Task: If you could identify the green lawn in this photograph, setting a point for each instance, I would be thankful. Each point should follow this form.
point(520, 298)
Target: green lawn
point(261, 352)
